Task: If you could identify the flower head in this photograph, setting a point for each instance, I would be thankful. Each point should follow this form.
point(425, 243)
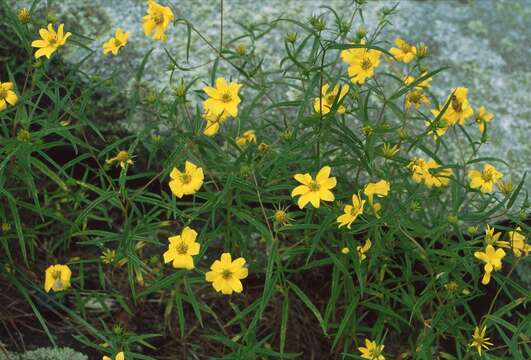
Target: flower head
point(482, 116)
point(7, 95)
point(213, 122)
point(459, 109)
point(323, 104)
point(314, 190)
point(361, 62)
point(223, 98)
point(281, 215)
point(225, 274)
point(186, 182)
point(380, 189)
point(50, 41)
point(108, 256)
point(247, 137)
point(486, 179)
point(114, 44)
point(424, 84)
point(493, 238)
point(24, 15)
point(389, 150)
point(417, 98)
point(57, 278)
point(122, 158)
point(119, 356)
point(493, 261)
point(437, 128)
point(351, 211)
point(403, 51)
point(181, 249)
point(345, 250)
point(429, 172)
point(479, 340)
point(517, 241)
point(372, 350)
point(157, 20)
point(362, 249)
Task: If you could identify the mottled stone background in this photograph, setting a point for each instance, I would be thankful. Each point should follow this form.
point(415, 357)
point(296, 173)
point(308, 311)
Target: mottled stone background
point(487, 43)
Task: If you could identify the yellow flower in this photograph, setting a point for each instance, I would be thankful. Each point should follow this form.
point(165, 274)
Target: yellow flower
point(436, 129)
point(157, 20)
point(247, 137)
point(114, 44)
point(459, 109)
point(424, 84)
point(181, 249)
point(225, 274)
point(429, 172)
point(329, 98)
point(517, 241)
point(50, 41)
point(7, 95)
point(213, 122)
point(380, 189)
point(5, 227)
point(493, 238)
point(263, 148)
point(223, 98)
point(417, 98)
point(389, 150)
point(403, 52)
point(482, 116)
point(345, 250)
point(281, 215)
point(108, 256)
point(486, 179)
point(123, 159)
point(351, 211)
point(24, 16)
point(314, 190)
point(479, 340)
point(119, 356)
point(57, 278)
point(363, 249)
point(187, 182)
point(372, 350)
point(492, 259)
point(363, 68)
point(505, 186)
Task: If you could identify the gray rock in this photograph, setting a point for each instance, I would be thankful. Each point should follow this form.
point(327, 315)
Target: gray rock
point(485, 42)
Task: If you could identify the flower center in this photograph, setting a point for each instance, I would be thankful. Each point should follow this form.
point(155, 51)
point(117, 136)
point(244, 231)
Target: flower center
point(314, 186)
point(117, 42)
point(226, 274)
point(415, 97)
point(186, 178)
point(122, 156)
point(3, 93)
point(226, 97)
point(456, 104)
point(330, 98)
point(158, 19)
point(366, 64)
point(57, 283)
point(488, 176)
point(182, 248)
point(280, 216)
point(405, 48)
point(52, 41)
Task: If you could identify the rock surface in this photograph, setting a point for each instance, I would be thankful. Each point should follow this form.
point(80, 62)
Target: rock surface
point(485, 42)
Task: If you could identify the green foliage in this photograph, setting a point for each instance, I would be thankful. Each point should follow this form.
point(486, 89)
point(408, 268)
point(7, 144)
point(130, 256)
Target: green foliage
point(46, 354)
point(418, 291)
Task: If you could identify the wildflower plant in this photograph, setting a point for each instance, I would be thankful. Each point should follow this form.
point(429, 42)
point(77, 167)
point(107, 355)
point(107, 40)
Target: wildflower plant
point(232, 232)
